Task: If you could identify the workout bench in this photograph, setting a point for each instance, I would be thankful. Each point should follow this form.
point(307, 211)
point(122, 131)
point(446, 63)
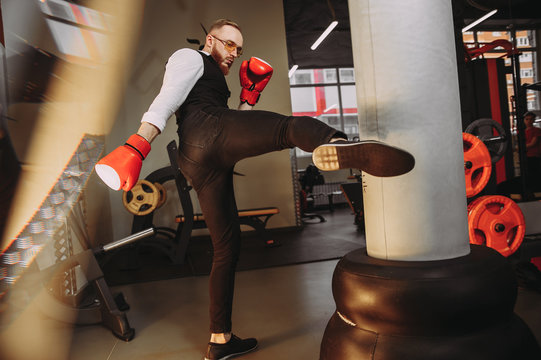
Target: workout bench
point(256, 218)
point(176, 249)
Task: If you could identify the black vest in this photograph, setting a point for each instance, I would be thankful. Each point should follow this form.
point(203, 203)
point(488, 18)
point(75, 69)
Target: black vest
point(210, 89)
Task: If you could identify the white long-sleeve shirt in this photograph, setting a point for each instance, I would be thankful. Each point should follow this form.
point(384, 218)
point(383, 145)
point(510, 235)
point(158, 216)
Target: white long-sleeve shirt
point(182, 71)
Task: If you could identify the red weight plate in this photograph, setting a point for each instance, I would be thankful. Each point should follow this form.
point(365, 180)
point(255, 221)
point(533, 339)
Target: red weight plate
point(477, 164)
point(473, 204)
point(497, 222)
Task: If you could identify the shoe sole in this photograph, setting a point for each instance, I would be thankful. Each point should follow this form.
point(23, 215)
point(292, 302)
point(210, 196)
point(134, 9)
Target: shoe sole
point(372, 157)
point(235, 354)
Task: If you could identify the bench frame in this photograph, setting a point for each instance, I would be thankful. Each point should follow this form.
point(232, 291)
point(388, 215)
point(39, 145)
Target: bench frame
point(176, 249)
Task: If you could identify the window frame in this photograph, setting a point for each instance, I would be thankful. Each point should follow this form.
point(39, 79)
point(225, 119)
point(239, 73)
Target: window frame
point(338, 85)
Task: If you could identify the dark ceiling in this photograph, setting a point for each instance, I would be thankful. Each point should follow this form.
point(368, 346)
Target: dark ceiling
point(306, 19)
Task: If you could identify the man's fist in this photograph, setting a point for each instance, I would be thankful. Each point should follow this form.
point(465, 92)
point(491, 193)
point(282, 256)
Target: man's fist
point(254, 76)
point(120, 169)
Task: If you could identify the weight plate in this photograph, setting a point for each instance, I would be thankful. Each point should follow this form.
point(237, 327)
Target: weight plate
point(163, 194)
point(492, 134)
point(142, 199)
point(473, 204)
point(497, 222)
point(477, 164)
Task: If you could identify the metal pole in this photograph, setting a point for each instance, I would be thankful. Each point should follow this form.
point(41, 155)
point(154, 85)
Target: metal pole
point(520, 109)
point(129, 239)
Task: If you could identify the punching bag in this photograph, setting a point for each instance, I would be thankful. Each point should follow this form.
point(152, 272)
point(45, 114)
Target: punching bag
point(407, 94)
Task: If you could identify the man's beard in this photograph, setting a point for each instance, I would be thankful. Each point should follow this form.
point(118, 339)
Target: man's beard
point(220, 61)
point(224, 68)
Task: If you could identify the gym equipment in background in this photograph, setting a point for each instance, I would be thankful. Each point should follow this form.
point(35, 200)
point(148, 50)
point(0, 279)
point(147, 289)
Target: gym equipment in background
point(353, 192)
point(492, 134)
point(144, 197)
point(91, 305)
point(45, 227)
point(493, 221)
point(56, 268)
point(497, 222)
point(477, 164)
point(174, 242)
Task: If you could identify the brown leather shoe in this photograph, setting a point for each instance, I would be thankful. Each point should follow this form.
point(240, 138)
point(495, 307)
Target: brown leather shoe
point(371, 156)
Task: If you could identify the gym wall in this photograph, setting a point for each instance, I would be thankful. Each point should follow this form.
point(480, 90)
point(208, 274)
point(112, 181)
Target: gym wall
point(165, 25)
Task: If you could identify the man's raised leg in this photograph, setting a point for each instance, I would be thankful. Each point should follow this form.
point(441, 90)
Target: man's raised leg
point(251, 133)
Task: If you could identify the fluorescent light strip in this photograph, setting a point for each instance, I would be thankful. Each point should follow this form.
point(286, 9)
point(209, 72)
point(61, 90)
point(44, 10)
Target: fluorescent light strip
point(333, 106)
point(324, 35)
point(480, 20)
point(292, 70)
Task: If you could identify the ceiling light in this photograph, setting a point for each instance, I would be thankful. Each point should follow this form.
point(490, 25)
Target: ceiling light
point(292, 70)
point(480, 20)
point(324, 35)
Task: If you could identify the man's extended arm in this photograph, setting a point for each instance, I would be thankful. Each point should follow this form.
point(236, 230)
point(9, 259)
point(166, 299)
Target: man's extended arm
point(182, 71)
point(120, 169)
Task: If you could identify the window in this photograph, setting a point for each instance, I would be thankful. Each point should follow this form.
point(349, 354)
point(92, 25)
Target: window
point(525, 40)
point(526, 57)
point(526, 73)
point(330, 75)
point(301, 77)
point(328, 95)
point(347, 75)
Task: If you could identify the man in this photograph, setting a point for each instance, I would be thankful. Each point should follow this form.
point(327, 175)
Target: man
point(213, 138)
point(533, 151)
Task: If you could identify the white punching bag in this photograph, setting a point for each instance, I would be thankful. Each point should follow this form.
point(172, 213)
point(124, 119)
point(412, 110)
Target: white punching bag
point(407, 95)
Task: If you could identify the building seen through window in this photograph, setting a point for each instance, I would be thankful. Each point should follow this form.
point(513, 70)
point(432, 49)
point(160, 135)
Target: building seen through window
point(525, 40)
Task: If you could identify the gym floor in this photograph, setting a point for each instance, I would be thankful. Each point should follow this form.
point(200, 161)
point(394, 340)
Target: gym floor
point(286, 308)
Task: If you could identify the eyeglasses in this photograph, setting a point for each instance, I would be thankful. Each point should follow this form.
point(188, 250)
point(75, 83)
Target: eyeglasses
point(230, 46)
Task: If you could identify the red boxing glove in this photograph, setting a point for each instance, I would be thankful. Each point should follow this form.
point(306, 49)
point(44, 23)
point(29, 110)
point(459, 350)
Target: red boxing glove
point(120, 169)
point(254, 76)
